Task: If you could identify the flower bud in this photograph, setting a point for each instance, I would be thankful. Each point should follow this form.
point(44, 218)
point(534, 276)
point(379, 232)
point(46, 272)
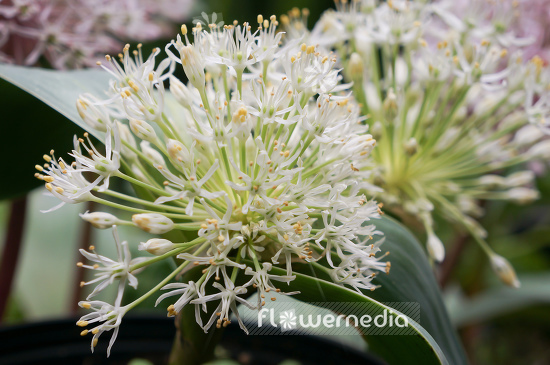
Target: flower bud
point(520, 178)
point(435, 247)
point(152, 154)
point(377, 130)
point(522, 195)
point(143, 130)
point(153, 223)
point(390, 104)
point(156, 246)
point(100, 220)
point(126, 136)
point(356, 66)
point(192, 66)
point(411, 146)
point(181, 92)
point(504, 270)
point(96, 116)
point(492, 181)
point(540, 150)
point(178, 152)
point(527, 135)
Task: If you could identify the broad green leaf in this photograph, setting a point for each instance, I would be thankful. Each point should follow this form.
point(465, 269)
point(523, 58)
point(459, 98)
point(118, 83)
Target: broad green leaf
point(31, 128)
point(500, 300)
point(58, 89)
point(411, 280)
point(420, 348)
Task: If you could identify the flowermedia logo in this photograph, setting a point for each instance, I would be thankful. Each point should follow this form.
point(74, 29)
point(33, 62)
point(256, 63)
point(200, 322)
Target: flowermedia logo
point(329, 319)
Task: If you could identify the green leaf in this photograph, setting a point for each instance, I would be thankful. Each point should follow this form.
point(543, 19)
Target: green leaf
point(499, 300)
point(58, 89)
point(32, 128)
point(419, 348)
point(410, 280)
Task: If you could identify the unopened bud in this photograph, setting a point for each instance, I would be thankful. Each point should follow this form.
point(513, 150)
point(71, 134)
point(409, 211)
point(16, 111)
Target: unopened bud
point(100, 220)
point(126, 136)
point(411, 146)
point(527, 135)
point(390, 104)
point(435, 247)
point(181, 92)
point(356, 66)
point(520, 178)
point(504, 270)
point(156, 246)
point(152, 154)
point(522, 195)
point(143, 130)
point(94, 115)
point(492, 181)
point(377, 130)
point(540, 150)
point(153, 223)
point(178, 152)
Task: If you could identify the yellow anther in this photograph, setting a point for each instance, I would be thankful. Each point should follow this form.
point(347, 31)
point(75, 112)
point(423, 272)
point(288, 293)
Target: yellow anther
point(82, 323)
point(84, 333)
point(39, 168)
point(94, 342)
point(47, 158)
point(95, 331)
point(49, 186)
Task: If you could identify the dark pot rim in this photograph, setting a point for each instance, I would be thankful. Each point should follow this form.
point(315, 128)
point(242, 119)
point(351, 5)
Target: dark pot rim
point(151, 336)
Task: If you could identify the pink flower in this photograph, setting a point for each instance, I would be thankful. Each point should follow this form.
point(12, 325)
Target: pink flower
point(75, 33)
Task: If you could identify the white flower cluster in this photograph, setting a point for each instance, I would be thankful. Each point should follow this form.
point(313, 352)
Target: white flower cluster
point(450, 100)
point(259, 160)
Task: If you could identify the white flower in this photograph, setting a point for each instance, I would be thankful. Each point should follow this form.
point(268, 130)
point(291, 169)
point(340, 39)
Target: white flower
point(189, 188)
point(110, 315)
point(65, 181)
point(262, 280)
point(216, 228)
point(250, 157)
point(104, 166)
point(109, 270)
point(187, 291)
point(228, 297)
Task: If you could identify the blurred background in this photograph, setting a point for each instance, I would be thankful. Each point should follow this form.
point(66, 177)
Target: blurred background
point(39, 279)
